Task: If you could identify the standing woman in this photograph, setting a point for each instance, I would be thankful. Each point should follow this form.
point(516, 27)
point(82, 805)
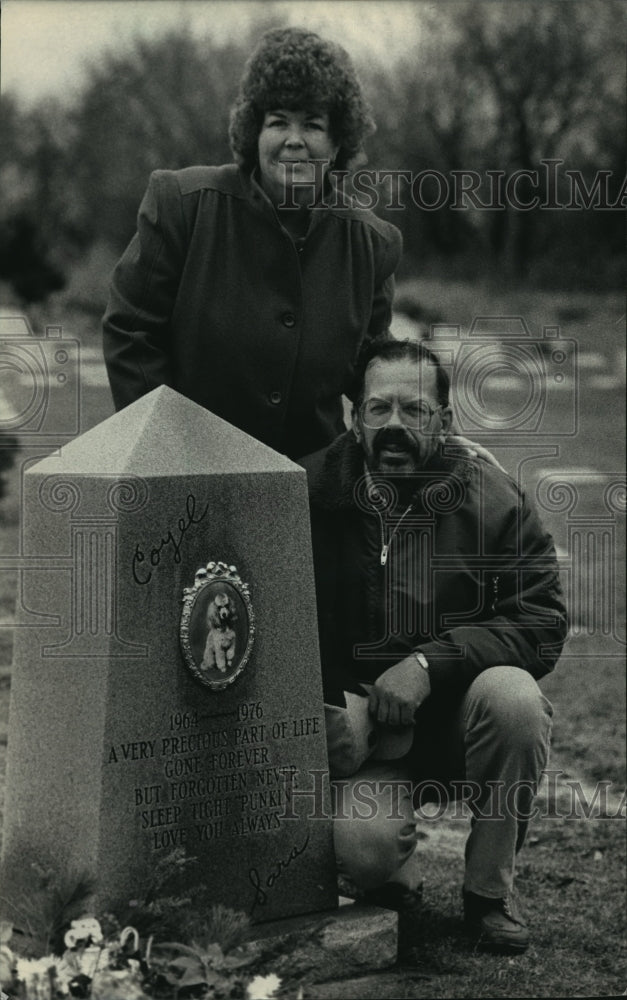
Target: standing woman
point(251, 287)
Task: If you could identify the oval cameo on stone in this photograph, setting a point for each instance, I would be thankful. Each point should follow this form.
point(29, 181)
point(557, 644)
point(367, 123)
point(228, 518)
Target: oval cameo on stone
point(217, 625)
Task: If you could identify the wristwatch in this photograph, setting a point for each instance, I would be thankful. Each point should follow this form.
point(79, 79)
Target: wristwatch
point(421, 659)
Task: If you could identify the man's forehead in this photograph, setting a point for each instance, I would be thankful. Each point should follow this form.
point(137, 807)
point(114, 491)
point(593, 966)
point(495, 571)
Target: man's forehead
point(402, 375)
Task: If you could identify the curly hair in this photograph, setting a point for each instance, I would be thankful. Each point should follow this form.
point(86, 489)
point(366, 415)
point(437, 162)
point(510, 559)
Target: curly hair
point(295, 69)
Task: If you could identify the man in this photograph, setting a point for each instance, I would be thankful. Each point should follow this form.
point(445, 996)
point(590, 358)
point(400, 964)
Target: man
point(439, 608)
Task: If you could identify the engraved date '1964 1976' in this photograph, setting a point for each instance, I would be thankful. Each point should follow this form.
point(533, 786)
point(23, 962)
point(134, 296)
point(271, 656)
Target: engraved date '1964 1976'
point(261, 884)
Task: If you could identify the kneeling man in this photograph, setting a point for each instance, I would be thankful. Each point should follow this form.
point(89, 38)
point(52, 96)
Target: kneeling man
point(439, 609)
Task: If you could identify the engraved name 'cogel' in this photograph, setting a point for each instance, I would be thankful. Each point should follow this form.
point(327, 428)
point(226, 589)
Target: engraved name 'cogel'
point(167, 543)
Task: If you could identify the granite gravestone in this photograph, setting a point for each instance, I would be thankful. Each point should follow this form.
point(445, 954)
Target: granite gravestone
point(129, 738)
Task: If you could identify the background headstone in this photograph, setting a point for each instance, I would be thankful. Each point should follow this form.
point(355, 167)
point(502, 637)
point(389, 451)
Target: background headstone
point(117, 753)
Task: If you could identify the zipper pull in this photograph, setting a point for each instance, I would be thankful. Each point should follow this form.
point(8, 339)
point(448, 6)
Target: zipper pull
point(384, 554)
point(495, 591)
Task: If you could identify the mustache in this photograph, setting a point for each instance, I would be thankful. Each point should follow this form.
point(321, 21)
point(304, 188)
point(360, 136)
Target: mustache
point(394, 437)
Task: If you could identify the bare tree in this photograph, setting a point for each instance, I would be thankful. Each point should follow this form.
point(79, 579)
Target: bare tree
point(501, 87)
point(161, 104)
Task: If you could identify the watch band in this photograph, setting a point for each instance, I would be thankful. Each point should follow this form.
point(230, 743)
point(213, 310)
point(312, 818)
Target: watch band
point(421, 659)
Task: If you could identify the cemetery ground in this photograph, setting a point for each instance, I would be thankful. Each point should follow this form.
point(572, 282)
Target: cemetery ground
point(571, 873)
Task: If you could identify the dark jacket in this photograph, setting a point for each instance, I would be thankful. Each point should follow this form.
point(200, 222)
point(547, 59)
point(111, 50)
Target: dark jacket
point(214, 298)
point(471, 577)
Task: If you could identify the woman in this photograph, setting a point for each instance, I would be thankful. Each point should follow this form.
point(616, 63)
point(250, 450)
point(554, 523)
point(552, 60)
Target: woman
point(251, 287)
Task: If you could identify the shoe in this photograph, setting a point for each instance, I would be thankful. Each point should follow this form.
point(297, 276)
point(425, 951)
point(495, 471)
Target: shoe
point(394, 896)
point(497, 923)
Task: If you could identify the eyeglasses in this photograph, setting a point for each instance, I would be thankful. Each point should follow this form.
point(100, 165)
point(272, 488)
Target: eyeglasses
point(416, 414)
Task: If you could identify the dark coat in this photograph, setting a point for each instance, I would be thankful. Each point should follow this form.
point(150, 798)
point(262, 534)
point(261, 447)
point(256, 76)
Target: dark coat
point(471, 578)
point(214, 298)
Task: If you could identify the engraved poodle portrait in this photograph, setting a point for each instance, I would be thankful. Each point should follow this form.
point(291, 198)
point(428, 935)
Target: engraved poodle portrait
point(220, 645)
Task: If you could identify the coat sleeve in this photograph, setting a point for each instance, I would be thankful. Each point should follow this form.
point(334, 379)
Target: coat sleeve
point(388, 261)
point(527, 624)
point(136, 325)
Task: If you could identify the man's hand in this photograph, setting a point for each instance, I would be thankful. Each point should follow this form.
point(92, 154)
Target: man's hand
point(398, 692)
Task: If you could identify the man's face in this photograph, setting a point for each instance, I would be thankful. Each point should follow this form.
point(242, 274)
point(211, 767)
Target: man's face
point(400, 423)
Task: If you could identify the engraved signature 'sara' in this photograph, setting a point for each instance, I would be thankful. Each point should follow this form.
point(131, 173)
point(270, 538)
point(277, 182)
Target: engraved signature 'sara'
point(217, 625)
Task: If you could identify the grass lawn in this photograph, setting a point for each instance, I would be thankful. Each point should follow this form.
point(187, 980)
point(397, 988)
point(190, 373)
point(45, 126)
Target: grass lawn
point(563, 882)
point(571, 873)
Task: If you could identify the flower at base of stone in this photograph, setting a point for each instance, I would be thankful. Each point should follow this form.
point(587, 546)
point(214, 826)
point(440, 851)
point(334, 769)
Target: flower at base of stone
point(263, 987)
point(118, 984)
point(36, 975)
point(92, 959)
point(87, 929)
point(6, 955)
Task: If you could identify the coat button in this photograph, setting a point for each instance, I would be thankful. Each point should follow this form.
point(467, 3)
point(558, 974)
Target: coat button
point(288, 319)
point(275, 398)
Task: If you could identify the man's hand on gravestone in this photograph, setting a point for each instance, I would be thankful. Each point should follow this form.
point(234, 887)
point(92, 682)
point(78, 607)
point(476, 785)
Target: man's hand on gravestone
point(398, 692)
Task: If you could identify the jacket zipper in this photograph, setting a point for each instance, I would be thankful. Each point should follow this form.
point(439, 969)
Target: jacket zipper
point(495, 590)
point(385, 546)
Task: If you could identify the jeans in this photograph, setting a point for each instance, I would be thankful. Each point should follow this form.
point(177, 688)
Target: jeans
point(495, 742)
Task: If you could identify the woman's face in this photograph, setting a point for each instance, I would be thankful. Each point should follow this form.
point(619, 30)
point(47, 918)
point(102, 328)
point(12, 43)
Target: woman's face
point(288, 144)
